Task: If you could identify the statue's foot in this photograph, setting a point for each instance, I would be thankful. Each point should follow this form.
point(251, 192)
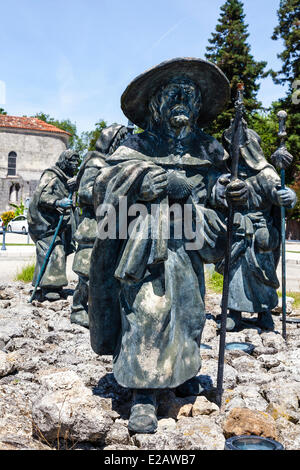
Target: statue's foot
point(51, 295)
point(143, 418)
point(234, 321)
point(80, 318)
point(265, 321)
point(189, 388)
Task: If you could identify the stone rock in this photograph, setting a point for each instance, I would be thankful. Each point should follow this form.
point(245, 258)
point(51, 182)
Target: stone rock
point(21, 443)
point(7, 364)
point(68, 409)
point(118, 435)
point(166, 424)
point(287, 396)
point(273, 340)
point(289, 434)
point(210, 368)
point(242, 421)
point(202, 433)
point(204, 407)
point(15, 414)
point(289, 306)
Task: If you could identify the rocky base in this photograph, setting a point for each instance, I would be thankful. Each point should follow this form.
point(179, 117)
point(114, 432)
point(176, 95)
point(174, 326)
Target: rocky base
point(55, 393)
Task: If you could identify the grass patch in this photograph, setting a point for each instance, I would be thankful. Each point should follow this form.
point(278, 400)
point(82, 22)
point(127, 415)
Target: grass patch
point(26, 273)
point(214, 282)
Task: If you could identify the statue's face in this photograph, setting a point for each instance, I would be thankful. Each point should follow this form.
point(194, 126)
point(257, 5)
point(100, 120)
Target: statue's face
point(180, 102)
point(72, 164)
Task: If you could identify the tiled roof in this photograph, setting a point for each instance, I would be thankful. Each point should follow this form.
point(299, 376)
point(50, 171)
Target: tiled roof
point(31, 123)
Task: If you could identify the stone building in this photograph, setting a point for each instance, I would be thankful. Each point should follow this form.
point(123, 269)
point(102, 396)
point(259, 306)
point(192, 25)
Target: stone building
point(27, 147)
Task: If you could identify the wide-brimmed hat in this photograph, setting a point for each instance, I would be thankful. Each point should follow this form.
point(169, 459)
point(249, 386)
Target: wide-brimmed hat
point(214, 86)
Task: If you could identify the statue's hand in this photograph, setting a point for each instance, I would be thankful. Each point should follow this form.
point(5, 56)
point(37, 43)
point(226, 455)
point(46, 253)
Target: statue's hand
point(72, 183)
point(220, 189)
point(154, 184)
point(64, 203)
point(237, 192)
point(286, 197)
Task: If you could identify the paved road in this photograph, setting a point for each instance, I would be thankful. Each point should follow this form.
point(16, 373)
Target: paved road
point(14, 258)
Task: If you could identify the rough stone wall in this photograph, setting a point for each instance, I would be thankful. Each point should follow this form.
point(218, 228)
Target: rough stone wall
point(35, 152)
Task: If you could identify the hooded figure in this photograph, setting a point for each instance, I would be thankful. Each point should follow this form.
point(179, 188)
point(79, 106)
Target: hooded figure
point(146, 304)
point(48, 203)
point(109, 140)
point(256, 243)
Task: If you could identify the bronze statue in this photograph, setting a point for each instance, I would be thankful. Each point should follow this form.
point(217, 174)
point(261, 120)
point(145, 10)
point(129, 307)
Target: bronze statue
point(146, 303)
point(256, 234)
point(85, 235)
point(48, 203)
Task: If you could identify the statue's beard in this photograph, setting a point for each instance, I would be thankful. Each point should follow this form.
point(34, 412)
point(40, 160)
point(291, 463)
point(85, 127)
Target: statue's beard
point(180, 117)
point(180, 120)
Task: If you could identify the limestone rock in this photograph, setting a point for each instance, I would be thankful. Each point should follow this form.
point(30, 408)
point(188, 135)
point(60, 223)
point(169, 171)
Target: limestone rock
point(242, 421)
point(204, 407)
point(68, 409)
point(21, 443)
point(289, 434)
point(202, 433)
point(7, 364)
point(15, 414)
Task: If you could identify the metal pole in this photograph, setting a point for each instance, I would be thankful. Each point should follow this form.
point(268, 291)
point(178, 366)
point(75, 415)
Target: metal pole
point(3, 239)
point(234, 151)
point(281, 158)
point(283, 258)
point(43, 268)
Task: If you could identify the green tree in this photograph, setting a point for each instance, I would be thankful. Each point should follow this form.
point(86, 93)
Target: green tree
point(230, 51)
point(288, 31)
point(3, 112)
point(92, 136)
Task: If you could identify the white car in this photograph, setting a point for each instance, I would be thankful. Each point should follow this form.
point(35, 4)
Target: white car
point(18, 224)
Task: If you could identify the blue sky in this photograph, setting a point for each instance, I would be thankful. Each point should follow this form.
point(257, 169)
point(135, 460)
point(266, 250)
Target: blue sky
point(74, 58)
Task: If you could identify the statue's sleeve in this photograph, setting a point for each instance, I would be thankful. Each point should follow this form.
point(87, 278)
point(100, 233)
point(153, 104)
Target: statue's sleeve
point(263, 188)
point(51, 192)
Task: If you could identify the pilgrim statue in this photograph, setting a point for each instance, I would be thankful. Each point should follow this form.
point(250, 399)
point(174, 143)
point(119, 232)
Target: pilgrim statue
point(109, 140)
point(146, 294)
point(48, 203)
point(255, 253)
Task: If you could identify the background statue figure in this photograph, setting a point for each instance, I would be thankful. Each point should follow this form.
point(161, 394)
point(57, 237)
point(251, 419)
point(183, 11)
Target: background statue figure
point(48, 203)
point(85, 235)
point(146, 304)
point(256, 243)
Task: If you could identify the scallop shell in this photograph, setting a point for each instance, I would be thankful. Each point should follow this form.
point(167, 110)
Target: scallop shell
point(178, 186)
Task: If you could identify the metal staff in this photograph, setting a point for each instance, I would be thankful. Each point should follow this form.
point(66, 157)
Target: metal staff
point(43, 268)
point(237, 131)
point(281, 160)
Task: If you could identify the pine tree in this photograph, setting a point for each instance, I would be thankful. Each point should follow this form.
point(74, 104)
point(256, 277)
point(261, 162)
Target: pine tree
point(288, 30)
point(230, 51)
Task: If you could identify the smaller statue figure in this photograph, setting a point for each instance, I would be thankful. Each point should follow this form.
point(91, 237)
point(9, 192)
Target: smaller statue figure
point(256, 242)
point(48, 203)
point(85, 235)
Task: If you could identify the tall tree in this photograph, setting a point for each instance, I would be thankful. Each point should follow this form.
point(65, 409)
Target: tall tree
point(288, 30)
point(230, 51)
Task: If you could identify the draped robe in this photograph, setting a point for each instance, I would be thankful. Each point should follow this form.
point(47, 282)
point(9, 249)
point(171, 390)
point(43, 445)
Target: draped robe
point(146, 300)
